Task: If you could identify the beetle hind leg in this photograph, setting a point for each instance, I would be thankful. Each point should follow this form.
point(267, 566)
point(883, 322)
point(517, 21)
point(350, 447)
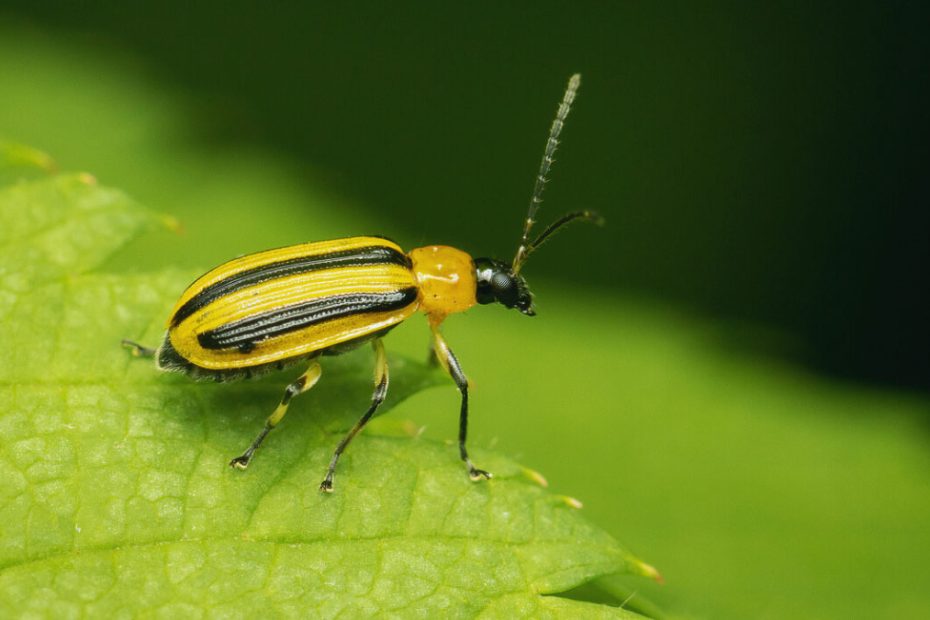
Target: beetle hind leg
point(137, 349)
point(300, 385)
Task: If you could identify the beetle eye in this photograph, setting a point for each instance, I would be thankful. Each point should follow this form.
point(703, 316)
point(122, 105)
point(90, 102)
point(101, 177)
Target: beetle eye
point(501, 281)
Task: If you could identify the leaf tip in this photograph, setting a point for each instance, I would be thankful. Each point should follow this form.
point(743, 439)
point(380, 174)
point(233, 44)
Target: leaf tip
point(571, 502)
point(536, 477)
point(412, 429)
point(171, 223)
point(12, 154)
point(648, 570)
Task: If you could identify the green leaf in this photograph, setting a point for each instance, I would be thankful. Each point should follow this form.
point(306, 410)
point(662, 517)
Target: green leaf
point(117, 497)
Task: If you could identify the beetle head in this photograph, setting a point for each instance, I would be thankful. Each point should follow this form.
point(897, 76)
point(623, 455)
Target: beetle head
point(497, 282)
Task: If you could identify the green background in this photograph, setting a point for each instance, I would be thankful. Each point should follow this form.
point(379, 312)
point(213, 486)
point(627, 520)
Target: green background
point(755, 169)
point(757, 162)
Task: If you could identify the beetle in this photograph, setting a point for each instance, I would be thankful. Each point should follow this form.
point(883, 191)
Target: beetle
point(269, 310)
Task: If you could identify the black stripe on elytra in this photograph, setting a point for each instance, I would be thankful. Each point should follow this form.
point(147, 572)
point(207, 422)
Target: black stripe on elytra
point(245, 333)
point(369, 255)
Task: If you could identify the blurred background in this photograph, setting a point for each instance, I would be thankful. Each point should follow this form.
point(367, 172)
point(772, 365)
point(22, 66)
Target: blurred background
point(744, 346)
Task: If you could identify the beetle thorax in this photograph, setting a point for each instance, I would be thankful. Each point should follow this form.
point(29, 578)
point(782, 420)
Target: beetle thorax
point(446, 280)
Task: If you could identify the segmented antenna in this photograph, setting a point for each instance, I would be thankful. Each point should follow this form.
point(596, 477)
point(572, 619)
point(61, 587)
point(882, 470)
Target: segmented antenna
point(551, 145)
point(585, 216)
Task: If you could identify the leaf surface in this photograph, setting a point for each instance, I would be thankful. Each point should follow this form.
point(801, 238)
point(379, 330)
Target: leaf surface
point(118, 498)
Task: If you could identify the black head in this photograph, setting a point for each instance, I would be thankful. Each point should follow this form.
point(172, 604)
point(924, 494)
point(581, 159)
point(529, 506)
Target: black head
point(498, 283)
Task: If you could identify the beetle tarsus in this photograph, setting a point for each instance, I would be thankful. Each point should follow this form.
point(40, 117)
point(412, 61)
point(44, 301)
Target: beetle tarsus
point(327, 485)
point(241, 462)
point(478, 474)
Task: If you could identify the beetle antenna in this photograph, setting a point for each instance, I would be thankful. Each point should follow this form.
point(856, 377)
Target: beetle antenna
point(585, 216)
point(551, 145)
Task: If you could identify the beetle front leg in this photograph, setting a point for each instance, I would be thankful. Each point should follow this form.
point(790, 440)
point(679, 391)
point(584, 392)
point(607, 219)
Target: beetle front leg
point(448, 360)
point(300, 385)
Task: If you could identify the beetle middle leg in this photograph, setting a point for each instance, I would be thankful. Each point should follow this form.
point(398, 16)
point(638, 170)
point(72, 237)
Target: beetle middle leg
point(137, 349)
point(300, 385)
point(451, 364)
point(381, 386)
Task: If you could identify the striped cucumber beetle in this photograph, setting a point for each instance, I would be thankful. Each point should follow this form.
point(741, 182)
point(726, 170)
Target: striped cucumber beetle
point(270, 310)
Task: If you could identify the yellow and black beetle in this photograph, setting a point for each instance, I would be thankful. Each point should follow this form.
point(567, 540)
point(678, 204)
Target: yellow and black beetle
point(273, 309)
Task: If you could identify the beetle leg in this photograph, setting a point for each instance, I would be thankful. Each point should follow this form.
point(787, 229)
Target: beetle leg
point(381, 386)
point(300, 385)
point(451, 364)
point(432, 360)
point(137, 349)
